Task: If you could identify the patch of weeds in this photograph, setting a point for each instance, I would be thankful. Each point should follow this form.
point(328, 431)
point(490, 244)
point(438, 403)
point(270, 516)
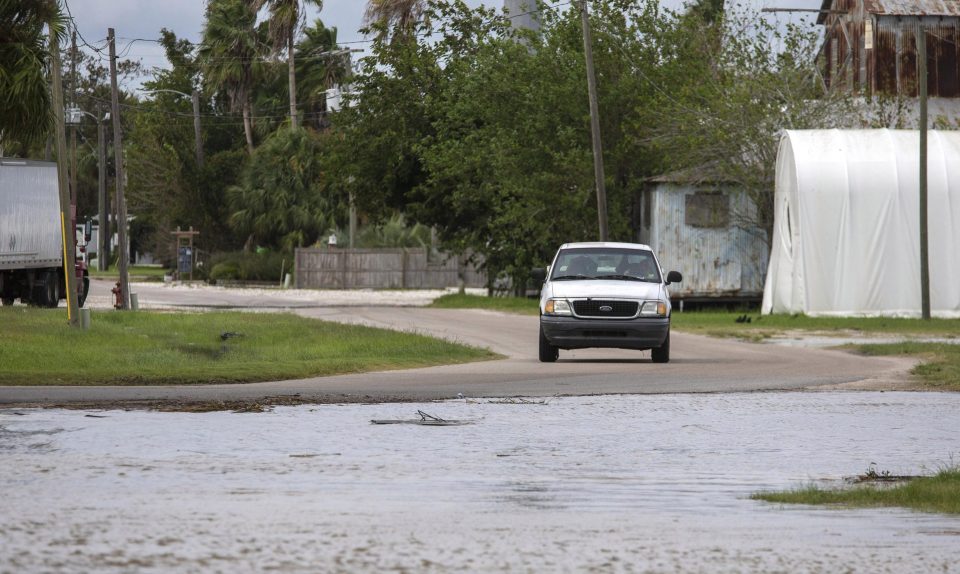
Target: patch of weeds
point(937, 493)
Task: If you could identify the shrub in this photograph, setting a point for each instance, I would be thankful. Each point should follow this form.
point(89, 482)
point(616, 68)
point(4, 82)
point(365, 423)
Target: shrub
point(243, 266)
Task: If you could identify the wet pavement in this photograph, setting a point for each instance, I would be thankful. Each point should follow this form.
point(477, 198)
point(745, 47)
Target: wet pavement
point(609, 483)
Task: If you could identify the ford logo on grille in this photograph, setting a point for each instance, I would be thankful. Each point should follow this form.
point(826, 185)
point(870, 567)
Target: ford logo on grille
point(606, 308)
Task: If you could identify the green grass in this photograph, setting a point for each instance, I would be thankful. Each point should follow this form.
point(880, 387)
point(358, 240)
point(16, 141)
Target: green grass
point(519, 305)
point(136, 272)
point(938, 493)
point(144, 348)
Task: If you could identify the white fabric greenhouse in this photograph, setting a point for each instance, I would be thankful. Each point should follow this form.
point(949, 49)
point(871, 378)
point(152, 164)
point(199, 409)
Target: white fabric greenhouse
point(846, 237)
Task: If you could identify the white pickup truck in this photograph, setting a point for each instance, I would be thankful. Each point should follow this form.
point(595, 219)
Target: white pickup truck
point(605, 295)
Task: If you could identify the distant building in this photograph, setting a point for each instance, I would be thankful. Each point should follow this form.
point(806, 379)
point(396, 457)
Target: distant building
point(522, 14)
point(707, 230)
point(870, 46)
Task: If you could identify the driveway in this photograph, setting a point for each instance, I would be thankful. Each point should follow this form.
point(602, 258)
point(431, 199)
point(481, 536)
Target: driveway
point(698, 364)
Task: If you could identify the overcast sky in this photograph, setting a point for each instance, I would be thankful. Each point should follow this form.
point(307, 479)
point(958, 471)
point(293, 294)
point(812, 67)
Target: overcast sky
point(144, 19)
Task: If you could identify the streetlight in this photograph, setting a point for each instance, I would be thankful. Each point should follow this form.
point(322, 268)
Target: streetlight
point(195, 97)
point(74, 116)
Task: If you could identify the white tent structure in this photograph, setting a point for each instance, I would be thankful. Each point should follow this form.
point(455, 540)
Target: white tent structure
point(846, 237)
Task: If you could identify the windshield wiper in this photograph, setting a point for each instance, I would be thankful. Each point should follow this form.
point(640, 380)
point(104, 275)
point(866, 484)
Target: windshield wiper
point(571, 277)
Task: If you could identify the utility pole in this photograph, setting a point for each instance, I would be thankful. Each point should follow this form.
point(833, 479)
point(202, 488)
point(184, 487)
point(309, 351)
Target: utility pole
point(69, 239)
point(921, 39)
point(123, 256)
point(103, 236)
point(594, 123)
point(196, 127)
point(73, 126)
point(292, 82)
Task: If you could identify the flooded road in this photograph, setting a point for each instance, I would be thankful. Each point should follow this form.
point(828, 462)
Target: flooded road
point(610, 483)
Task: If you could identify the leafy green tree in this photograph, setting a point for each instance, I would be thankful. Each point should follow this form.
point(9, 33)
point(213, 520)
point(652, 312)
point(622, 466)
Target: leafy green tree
point(229, 56)
point(24, 90)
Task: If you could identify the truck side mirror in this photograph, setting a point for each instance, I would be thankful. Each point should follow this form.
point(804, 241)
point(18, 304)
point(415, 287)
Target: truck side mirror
point(87, 231)
point(674, 277)
point(538, 274)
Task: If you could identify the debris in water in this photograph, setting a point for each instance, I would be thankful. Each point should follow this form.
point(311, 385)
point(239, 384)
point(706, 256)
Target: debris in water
point(517, 401)
point(425, 419)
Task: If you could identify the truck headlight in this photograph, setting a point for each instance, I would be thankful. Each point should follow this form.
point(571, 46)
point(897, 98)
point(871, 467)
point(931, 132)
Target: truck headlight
point(653, 309)
point(557, 307)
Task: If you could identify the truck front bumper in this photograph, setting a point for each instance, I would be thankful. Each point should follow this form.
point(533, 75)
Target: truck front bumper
point(574, 333)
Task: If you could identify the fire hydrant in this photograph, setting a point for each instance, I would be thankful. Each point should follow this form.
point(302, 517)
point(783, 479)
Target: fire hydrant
point(118, 296)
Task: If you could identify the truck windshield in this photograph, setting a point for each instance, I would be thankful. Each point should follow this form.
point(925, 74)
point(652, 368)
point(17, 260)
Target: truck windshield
point(616, 264)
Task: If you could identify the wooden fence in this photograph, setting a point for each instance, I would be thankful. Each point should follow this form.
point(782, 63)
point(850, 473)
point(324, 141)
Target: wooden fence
point(415, 268)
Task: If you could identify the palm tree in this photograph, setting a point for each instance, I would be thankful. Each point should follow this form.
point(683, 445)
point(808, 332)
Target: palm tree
point(25, 110)
point(228, 55)
point(397, 15)
point(286, 19)
point(316, 74)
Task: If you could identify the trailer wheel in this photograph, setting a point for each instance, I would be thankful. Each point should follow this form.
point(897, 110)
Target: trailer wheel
point(48, 290)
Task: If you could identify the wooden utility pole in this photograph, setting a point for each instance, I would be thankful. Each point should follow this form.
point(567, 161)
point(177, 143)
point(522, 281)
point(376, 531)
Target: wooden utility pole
point(73, 126)
point(198, 140)
point(921, 37)
point(123, 255)
point(594, 123)
point(292, 82)
point(66, 224)
point(103, 201)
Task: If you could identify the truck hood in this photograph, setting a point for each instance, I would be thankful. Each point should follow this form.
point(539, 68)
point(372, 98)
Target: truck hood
point(598, 289)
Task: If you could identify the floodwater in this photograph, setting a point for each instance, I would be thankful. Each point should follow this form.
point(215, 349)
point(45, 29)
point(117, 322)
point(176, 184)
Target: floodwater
point(655, 483)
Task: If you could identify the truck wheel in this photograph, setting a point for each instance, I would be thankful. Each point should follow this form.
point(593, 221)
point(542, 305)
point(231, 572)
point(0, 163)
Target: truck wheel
point(548, 353)
point(48, 290)
point(661, 354)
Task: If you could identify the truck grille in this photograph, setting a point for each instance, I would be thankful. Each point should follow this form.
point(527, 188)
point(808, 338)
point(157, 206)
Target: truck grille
point(605, 309)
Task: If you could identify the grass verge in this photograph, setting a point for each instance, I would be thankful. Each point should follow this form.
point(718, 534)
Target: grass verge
point(136, 272)
point(519, 305)
point(143, 348)
point(938, 493)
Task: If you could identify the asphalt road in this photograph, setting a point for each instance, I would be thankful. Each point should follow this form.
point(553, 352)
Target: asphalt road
point(698, 364)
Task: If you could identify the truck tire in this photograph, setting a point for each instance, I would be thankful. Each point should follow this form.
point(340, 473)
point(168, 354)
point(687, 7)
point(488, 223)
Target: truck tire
point(661, 354)
point(47, 291)
point(548, 353)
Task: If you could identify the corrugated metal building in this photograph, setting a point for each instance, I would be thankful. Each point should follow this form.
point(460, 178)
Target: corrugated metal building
point(705, 231)
point(870, 46)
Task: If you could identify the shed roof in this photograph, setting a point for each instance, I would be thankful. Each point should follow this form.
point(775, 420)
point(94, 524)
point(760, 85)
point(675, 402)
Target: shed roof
point(902, 8)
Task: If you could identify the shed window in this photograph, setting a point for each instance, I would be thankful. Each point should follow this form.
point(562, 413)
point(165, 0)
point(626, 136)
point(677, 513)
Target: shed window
point(707, 209)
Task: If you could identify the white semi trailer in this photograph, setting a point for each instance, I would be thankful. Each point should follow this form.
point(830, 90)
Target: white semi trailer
point(31, 246)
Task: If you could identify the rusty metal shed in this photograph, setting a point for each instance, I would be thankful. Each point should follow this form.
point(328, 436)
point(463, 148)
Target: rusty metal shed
point(870, 46)
point(705, 230)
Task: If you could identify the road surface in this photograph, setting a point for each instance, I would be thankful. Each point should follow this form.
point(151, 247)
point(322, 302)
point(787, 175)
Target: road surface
point(698, 364)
